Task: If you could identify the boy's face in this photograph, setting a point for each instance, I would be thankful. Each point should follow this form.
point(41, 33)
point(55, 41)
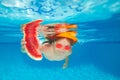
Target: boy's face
point(59, 50)
point(63, 46)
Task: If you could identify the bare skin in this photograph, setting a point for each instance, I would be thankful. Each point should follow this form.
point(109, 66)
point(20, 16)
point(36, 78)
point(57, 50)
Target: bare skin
point(56, 54)
point(66, 63)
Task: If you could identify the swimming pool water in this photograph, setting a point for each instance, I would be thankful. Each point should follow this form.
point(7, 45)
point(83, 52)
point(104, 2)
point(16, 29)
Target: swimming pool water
point(96, 56)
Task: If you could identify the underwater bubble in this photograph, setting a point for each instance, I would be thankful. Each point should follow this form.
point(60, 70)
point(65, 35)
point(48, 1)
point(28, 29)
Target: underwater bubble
point(73, 6)
point(79, 9)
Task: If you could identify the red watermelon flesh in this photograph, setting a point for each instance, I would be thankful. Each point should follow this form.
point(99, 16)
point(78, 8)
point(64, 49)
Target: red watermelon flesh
point(31, 39)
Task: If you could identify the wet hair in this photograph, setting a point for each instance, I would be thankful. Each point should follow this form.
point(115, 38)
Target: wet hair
point(51, 27)
point(50, 41)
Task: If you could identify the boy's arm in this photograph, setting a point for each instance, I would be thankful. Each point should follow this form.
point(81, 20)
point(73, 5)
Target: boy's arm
point(66, 62)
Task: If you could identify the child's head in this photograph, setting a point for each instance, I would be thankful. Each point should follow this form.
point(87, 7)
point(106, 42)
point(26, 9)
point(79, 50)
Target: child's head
point(62, 46)
point(63, 43)
point(58, 49)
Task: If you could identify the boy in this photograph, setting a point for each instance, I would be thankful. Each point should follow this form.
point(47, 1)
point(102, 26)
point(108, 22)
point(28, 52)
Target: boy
point(60, 39)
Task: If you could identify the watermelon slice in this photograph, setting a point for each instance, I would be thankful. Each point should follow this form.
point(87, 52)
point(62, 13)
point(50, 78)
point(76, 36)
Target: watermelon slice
point(31, 39)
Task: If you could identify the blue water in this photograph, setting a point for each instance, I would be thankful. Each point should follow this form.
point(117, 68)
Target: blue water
point(96, 56)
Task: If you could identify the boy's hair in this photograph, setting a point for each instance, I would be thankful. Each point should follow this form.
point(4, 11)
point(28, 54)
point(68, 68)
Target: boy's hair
point(50, 41)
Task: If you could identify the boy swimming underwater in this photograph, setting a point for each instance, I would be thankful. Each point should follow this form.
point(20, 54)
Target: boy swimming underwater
point(58, 46)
